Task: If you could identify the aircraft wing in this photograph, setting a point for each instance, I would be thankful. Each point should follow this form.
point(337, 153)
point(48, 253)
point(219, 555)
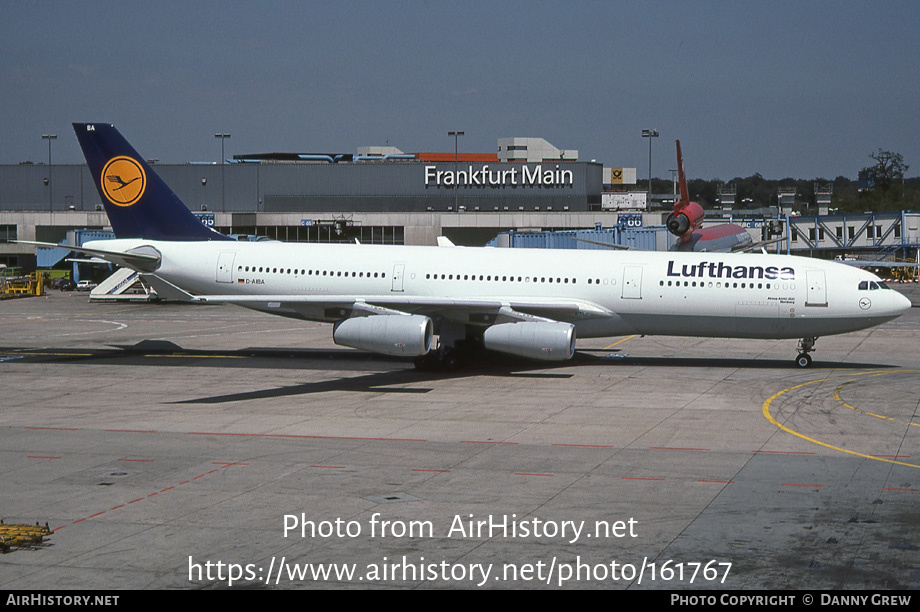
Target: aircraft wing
point(609, 245)
point(757, 245)
point(472, 311)
point(862, 263)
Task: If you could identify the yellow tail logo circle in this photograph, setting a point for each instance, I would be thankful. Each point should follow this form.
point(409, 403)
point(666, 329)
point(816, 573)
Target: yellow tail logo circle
point(123, 181)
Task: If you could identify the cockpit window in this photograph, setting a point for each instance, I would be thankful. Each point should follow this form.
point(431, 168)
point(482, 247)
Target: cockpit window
point(863, 285)
point(882, 285)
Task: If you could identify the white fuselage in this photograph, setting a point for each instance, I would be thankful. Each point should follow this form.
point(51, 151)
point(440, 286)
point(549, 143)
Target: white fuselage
point(637, 292)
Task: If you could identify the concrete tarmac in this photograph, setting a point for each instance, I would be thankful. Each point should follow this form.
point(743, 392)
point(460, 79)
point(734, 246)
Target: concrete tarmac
point(187, 447)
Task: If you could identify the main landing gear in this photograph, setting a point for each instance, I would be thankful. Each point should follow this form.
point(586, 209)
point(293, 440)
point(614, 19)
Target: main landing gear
point(806, 345)
point(439, 360)
point(456, 348)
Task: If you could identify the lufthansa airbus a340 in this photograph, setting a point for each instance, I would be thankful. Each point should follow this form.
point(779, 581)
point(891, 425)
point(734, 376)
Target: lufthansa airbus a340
point(533, 303)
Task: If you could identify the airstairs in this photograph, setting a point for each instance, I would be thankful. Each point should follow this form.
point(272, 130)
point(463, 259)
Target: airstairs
point(124, 284)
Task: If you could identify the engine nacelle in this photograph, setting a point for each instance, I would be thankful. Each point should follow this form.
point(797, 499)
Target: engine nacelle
point(686, 220)
point(400, 335)
point(547, 341)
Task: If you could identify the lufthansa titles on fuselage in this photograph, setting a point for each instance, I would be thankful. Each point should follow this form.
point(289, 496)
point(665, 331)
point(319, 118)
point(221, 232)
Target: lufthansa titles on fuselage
point(713, 269)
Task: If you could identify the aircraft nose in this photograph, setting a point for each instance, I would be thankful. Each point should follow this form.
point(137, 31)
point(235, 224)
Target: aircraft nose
point(902, 303)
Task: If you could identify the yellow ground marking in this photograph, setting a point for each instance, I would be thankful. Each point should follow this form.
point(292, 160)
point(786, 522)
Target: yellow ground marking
point(769, 417)
point(861, 411)
point(620, 341)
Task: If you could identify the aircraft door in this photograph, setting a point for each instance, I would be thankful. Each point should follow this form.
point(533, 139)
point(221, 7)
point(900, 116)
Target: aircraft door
point(225, 267)
point(817, 289)
point(399, 271)
point(632, 282)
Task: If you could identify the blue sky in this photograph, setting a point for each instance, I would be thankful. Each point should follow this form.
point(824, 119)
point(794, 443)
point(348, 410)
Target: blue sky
point(800, 89)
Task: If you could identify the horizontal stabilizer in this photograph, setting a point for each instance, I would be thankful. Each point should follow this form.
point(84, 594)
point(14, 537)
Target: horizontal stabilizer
point(146, 261)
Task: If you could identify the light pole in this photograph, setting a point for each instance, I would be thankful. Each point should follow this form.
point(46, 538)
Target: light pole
point(456, 136)
point(49, 138)
point(649, 134)
point(222, 137)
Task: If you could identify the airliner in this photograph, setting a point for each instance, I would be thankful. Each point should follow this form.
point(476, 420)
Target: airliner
point(686, 222)
point(532, 303)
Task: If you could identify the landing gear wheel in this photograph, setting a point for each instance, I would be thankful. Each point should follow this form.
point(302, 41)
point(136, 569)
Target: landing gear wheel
point(440, 360)
point(428, 362)
point(450, 360)
point(806, 345)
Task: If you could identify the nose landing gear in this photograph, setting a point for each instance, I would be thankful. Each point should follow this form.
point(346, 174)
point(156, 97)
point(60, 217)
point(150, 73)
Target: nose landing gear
point(806, 345)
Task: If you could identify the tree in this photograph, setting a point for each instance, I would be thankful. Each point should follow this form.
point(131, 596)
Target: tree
point(888, 170)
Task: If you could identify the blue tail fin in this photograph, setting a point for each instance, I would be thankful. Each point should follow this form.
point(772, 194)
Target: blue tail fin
point(139, 204)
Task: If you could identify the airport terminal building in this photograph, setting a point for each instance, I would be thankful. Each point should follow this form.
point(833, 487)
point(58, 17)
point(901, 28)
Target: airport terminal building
point(376, 195)
point(380, 195)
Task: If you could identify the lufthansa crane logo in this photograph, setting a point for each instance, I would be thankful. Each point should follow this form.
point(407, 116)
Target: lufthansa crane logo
point(123, 181)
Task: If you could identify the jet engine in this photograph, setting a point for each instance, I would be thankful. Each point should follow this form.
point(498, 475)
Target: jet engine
point(547, 341)
point(685, 219)
point(399, 335)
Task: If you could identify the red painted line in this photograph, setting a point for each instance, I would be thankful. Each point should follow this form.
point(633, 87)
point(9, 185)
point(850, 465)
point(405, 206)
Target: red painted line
point(639, 478)
point(142, 498)
point(138, 460)
point(331, 467)
point(718, 481)
point(43, 457)
point(59, 528)
point(437, 471)
point(304, 437)
point(226, 464)
point(899, 489)
point(150, 431)
point(793, 484)
point(781, 452)
point(54, 428)
point(530, 474)
point(586, 445)
point(184, 482)
point(484, 442)
point(677, 448)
